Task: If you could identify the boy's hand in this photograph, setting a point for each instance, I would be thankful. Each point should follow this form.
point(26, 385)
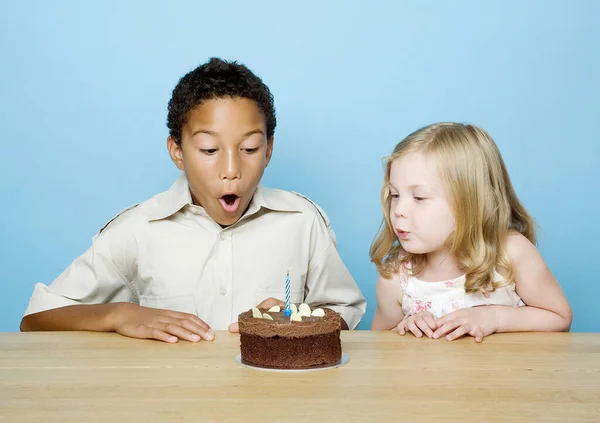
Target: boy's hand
point(268, 303)
point(422, 322)
point(164, 325)
point(475, 321)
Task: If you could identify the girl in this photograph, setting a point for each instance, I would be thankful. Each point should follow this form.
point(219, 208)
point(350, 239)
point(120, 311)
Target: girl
point(456, 251)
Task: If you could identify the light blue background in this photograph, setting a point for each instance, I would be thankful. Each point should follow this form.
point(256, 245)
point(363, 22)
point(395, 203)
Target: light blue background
point(84, 88)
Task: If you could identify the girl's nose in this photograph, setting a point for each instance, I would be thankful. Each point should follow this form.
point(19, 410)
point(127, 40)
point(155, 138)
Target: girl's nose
point(399, 208)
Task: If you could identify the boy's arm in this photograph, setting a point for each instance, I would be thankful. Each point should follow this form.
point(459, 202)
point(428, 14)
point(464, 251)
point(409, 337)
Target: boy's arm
point(101, 275)
point(75, 300)
point(94, 317)
point(547, 308)
point(330, 285)
point(389, 304)
point(96, 293)
point(125, 318)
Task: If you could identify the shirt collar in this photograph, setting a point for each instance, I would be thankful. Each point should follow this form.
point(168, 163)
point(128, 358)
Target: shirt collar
point(178, 196)
point(173, 200)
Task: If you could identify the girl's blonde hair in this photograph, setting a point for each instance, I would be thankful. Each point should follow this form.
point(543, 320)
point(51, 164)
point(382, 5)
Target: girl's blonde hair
point(482, 199)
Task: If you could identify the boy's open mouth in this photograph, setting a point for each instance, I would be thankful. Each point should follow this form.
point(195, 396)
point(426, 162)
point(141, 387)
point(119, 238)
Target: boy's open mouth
point(230, 203)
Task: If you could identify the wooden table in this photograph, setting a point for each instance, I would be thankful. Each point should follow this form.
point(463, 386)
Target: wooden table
point(101, 377)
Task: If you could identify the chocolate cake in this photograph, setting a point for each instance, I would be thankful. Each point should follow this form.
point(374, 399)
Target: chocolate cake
point(306, 339)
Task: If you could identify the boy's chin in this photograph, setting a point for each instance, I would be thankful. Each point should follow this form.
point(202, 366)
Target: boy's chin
point(226, 220)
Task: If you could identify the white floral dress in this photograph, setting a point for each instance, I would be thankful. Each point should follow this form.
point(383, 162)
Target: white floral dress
point(444, 297)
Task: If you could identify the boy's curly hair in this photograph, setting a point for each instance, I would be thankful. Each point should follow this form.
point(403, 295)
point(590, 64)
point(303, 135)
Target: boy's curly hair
point(217, 79)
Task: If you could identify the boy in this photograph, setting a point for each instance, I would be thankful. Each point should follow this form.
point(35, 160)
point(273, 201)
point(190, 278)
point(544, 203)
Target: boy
point(215, 244)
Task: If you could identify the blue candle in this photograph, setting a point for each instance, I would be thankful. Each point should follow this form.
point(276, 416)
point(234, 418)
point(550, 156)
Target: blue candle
point(287, 311)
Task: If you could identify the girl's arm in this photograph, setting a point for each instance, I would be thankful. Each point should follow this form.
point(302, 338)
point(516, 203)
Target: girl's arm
point(389, 303)
point(547, 308)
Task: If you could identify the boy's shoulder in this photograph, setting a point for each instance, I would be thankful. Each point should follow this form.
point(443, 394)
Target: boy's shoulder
point(135, 214)
point(279, 199)
point(292, 200)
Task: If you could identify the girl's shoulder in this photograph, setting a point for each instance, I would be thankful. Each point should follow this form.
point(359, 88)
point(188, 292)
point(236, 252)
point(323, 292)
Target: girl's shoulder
point(403, 275)
point(397, 276)
point(517, 246)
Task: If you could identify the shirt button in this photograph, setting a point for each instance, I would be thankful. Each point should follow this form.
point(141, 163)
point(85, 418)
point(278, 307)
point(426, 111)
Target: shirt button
point(222, 237)
point(223, 291)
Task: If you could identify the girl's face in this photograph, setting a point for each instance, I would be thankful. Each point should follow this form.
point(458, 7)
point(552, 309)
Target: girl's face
point(420, 213)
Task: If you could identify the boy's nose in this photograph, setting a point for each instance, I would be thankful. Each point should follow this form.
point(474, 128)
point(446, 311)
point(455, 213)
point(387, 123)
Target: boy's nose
point(230, 167)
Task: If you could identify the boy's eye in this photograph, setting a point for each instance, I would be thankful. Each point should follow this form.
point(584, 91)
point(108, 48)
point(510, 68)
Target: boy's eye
point(250, 150)
point(209, 151)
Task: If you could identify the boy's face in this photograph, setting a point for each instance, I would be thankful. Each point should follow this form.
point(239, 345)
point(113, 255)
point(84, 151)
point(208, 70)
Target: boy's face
point(224, 151)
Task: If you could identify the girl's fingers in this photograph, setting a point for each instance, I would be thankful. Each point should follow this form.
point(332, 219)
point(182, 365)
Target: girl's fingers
point(424, 326)
point(401, 327)
point(430, 320)
point(414, 329)
point(457, 333)
point(445, 329)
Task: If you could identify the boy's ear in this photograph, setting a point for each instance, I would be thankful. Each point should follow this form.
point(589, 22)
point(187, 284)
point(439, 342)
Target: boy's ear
point(269, 149)
point(175, 153)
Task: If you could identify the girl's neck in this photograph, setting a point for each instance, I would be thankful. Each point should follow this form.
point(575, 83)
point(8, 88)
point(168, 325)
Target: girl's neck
point(439, 266)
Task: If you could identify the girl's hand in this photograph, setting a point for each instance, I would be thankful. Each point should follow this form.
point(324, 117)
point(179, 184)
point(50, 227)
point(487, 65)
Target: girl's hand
point(476, 321)
point(422, 322)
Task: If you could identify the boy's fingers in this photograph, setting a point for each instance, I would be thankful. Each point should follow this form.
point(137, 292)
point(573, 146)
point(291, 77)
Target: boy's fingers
point(146, 332)
point(198, 321)
point(179, 332)
point(192, 317)
point(270, 302)
point(154, 333)
point(193, 327)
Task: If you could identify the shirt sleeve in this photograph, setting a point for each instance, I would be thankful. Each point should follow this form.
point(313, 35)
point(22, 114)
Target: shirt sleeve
point(101, 275)
point(329, 283)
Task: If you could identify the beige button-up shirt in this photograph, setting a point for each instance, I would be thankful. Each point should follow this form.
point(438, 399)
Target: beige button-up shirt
point(168, 253)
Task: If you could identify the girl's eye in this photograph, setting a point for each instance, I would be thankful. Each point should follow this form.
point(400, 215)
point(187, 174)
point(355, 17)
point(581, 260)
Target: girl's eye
point(419, 198)
point(394, 196)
